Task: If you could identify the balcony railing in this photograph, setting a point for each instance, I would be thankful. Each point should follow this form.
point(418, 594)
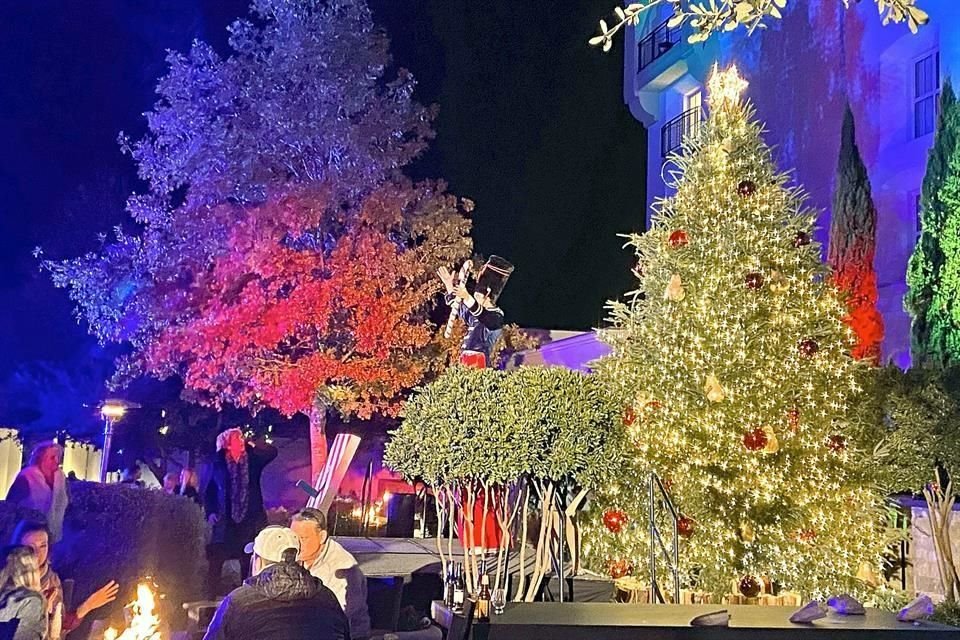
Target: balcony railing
point(657, 42)
point(673, 132)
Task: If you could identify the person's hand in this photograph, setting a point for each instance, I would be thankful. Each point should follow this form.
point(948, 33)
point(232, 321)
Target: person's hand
point(462, 294)
point(446, 278)
point(104, 595)
point(213, 518)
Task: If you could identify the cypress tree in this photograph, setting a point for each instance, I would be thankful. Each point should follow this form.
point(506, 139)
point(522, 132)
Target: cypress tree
point(853, 243)
point(926, 263)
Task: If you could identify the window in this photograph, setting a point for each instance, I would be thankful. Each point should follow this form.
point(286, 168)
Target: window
point(926, 94)
point(693, 105)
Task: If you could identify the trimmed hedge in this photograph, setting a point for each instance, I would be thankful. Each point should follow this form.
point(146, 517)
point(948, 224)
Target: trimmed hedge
point(123, 533)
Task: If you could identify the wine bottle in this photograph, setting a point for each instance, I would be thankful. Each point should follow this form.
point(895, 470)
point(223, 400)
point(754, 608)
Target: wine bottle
point(483, 598)
point(459, 589)
point(449, 584)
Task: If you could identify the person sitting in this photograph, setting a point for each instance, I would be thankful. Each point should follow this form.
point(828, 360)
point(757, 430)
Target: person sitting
point(22, 608)
point(281, 601)
point(131, 475)
point(326, 559)
point(36, 536)
point(42, 487)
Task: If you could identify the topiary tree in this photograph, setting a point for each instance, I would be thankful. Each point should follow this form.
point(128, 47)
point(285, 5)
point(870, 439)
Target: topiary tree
point(522, 440)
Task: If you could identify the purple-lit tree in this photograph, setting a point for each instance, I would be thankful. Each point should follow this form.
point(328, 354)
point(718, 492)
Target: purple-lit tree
point(272, 220)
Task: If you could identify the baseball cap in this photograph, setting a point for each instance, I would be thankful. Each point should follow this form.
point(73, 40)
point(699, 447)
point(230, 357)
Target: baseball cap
point(272, 541)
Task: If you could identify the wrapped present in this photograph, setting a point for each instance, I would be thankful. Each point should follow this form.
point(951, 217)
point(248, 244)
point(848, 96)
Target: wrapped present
point(631, 590)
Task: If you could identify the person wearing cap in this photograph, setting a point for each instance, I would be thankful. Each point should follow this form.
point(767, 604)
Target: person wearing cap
point(478, 309)
point(281, 600)
point(326, 559)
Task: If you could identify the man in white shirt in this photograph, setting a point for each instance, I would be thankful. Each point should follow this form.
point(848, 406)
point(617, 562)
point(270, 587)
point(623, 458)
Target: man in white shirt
point(324, 558)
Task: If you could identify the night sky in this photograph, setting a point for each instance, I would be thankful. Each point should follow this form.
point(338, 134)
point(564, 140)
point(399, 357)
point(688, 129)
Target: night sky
point(532, 126)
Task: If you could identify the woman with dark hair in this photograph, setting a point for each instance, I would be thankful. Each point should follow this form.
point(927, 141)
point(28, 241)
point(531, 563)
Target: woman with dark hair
point(22, 608)
point(35, 536)
point(42, 487)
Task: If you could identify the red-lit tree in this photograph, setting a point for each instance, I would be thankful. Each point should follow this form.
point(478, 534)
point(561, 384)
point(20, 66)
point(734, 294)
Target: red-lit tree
point(306, 305)
point(853, 243)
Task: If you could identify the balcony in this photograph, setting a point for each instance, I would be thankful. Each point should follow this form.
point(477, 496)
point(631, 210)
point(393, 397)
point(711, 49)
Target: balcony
point(656, 43)
point(675, 131)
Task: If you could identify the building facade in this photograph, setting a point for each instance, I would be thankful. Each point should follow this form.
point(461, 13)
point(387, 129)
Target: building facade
point(803, 70)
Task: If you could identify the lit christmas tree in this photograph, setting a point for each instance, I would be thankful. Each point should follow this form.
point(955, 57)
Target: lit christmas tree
point(739, 387)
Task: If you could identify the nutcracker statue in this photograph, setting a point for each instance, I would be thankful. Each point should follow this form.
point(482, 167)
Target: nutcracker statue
point(477, 306)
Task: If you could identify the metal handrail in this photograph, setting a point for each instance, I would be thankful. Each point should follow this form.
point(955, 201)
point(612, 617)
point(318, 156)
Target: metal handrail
point(657, 43)
point(656, 542)
point(674, 131)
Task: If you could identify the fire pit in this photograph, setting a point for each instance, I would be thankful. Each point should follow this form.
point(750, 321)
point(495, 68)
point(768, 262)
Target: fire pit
point(143, 623)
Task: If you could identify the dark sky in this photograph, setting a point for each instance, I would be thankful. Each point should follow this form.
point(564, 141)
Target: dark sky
point(532, 126)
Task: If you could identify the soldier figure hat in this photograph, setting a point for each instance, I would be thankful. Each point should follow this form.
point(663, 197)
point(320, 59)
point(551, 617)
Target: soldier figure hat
point(493, 277)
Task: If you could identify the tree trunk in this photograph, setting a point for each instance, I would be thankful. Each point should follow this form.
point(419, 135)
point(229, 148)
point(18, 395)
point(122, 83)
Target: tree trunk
point(318, 441)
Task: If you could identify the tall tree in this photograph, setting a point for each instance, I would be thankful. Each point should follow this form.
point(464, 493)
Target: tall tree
point(924, 270)
point(733, 362)
point(281, 261)
point(853, 243)
point(943, 317)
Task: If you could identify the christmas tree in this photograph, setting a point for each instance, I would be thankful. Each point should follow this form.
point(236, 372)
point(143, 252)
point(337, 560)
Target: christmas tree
point(739, 389)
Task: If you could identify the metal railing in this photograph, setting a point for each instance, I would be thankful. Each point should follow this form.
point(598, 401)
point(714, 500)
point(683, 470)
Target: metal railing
point(656, 43)
point(660, 498)
point(673, 132)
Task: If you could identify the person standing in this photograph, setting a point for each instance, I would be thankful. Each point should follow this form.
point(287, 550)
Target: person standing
point(41, 486)
point(326, 559)
point(282, 601)
point(234, 501)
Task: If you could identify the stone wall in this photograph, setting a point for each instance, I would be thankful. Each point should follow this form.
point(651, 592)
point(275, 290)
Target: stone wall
point(923, 574)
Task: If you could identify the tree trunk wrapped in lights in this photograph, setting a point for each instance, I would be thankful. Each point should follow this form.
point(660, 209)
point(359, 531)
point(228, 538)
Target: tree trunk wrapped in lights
point(530, 440)
point(733, 365)
point(853, 244)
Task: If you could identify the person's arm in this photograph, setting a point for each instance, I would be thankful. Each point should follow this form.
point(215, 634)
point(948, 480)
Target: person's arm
point(356, 607)
point(263, 452)
point(102, 596)
point(217, 630)
point(19, 490)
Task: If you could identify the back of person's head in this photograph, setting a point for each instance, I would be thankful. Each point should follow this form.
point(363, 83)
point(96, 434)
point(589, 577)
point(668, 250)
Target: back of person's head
point(36, 454)
point(314, 516)
point(18, 568)
point(25, 528)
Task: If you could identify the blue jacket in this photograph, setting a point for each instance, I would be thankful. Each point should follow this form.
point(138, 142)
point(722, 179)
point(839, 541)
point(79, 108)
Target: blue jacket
point(484, 327)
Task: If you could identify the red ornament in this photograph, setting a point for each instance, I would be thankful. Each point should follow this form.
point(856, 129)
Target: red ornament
point(746, 188)
point(808, 347)
point(807, 535)
point(749, 586)
point(614, 520)
point(802, 239)
point(755, 440)
point(837, 443)
point(754, 280)
point(685, 527)
point(619, 568)
point(678, 239)
point(629, 416)
point(653, 405)
point(667, 483)
point(793, 419)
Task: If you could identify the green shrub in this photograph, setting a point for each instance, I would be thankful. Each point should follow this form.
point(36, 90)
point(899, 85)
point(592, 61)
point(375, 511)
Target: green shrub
point(124, 533)
point(10, 515)
point(947, 613)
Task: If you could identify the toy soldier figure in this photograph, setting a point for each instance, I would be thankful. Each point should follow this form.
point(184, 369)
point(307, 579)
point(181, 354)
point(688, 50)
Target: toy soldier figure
point(477, 308)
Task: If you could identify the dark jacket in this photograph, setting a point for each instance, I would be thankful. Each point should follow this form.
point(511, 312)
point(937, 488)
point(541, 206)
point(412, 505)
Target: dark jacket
point(22, 615)
point(217, 497)
point(484, 327)
point(283, 602)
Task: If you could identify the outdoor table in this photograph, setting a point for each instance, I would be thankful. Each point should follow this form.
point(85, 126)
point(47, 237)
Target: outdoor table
point(613, 621)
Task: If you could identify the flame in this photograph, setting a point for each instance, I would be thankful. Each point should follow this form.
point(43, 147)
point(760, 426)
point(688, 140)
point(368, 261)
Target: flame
point(144, 625)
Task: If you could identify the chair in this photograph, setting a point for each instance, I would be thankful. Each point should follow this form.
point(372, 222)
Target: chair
point(460, 625)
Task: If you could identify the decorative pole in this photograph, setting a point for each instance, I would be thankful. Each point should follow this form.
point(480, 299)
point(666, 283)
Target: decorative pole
point(111, 410)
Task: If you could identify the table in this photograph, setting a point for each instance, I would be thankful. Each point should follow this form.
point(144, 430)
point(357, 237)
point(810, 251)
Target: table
point(613, 621)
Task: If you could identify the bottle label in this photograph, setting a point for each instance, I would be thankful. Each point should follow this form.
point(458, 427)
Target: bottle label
point(458, 597)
